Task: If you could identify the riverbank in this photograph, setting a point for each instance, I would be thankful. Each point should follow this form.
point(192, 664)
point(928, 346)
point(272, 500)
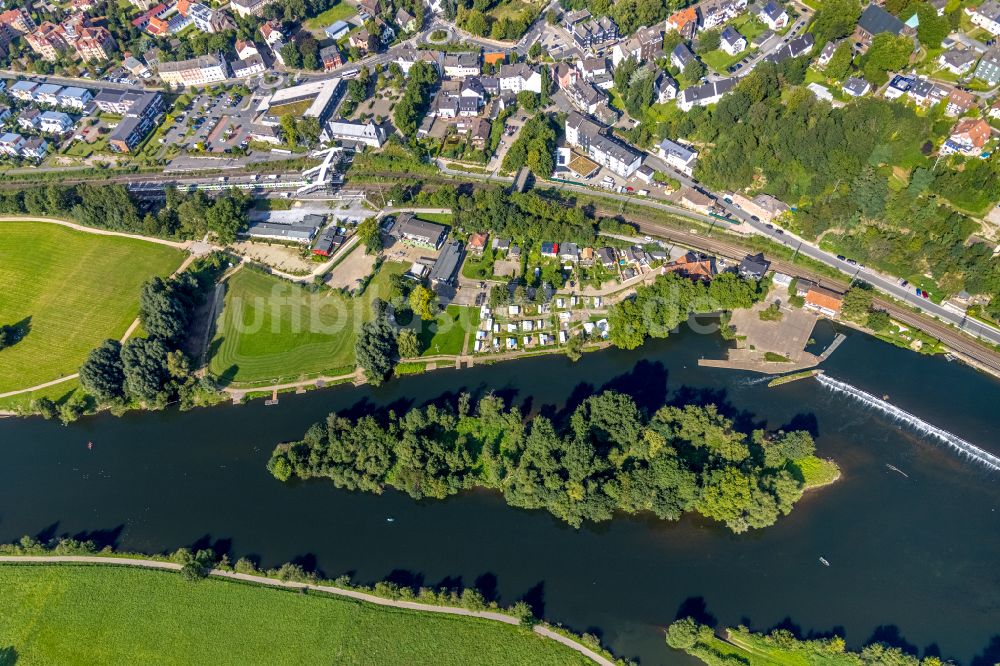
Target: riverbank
point(781, 648)
point(141, 609)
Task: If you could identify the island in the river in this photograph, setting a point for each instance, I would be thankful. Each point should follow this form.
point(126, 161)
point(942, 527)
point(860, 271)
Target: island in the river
point(603, 456)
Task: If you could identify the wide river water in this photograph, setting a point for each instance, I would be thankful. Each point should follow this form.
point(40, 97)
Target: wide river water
point(913, 559)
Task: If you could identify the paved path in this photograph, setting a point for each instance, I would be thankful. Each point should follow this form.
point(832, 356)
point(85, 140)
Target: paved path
point(328, 589)
point(180, 245)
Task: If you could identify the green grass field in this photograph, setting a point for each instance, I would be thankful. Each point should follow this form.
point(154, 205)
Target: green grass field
point(449, 331)
point(817, 471)
point(338, 12)
point(71, 290)
point(272, 330)
point(57, 614)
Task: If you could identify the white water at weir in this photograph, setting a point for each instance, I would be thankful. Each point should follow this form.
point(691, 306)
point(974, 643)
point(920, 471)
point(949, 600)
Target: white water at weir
point(954, 442)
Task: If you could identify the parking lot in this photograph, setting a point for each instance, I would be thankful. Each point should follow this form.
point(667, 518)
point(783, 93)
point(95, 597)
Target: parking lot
point(214, 125)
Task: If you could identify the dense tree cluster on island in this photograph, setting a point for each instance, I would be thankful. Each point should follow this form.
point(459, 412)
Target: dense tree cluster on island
point(606, 457)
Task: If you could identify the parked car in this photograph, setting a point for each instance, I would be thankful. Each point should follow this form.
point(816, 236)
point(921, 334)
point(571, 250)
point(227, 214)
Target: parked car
point(852, 262)
point(841, 257)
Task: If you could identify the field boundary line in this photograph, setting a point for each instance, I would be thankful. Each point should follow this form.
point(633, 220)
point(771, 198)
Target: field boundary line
point(328, 589)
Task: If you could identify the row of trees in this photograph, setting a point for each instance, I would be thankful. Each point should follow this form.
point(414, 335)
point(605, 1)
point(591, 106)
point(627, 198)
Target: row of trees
point(153, 370)
point(416, 96)
point(659, 308)
point(523, 216)
point(110, 206)
point(606, 456)
point(534, 146)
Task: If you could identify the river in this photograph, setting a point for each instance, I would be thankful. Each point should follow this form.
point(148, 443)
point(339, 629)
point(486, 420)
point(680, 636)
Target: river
point(912, 560)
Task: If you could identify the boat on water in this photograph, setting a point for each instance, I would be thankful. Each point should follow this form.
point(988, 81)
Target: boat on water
point(824, 562)
point(390, 520)
point(896, 469)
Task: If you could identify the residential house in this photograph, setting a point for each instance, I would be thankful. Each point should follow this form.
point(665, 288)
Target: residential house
point(606, 257)
point(646, 45)
point(928, 93)
point(959, 102)
point(764, 206)
point(988, 69)
point(958, 62)
point(968, 136)
point(706, 94)
point(516, 78)
point(271, 32)
point(370, 8)
point(569, 252)
point(714, 13)
point(856, 86)
point(678, 156)
point(196, 71)
point(875, 21)
point(35, 148)
point(406, 21)
point(986, 16)
point(11, 144)
point(368, 134)
point(4, 113)
point(564, 75)
point(827, 53)
point(54, 122)
point(696, 200)
point(585, 96)
point(587, 135)
point(824, 301)
point(693, 266)
point(477, 243)
point(681, 56)
point(247, 67)
point(47, 40)
point(204, 18)
point(139, 111)
point(899, 85)
point(773, 15)
point(685, 22)
point(16, 22)
point(47, 93)
point(245, 49)
point(136, 67)
point(407, 58)
point(409, 229)
point(363, 41)
point(331, 57)
point(23, 90)
point(461, 65)
point(793, 49)
point(731, 41)
point(594, 33)
point(591, 67)
point(754, 266)
point(94, 44)
point(665, 88)
point(249, 7)
point(994, 111)
point(29, 119)
point(550, 250)
point(820, 91)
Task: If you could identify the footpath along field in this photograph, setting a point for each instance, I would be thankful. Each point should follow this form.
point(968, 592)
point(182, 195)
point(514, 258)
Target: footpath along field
point(66, 614)
point(67, 291)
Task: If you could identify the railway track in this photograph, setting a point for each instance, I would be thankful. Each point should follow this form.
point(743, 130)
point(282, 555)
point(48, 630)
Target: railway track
point(950, 337)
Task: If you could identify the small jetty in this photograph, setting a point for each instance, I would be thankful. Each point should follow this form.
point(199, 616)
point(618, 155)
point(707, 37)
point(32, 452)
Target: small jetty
point(273, 399)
